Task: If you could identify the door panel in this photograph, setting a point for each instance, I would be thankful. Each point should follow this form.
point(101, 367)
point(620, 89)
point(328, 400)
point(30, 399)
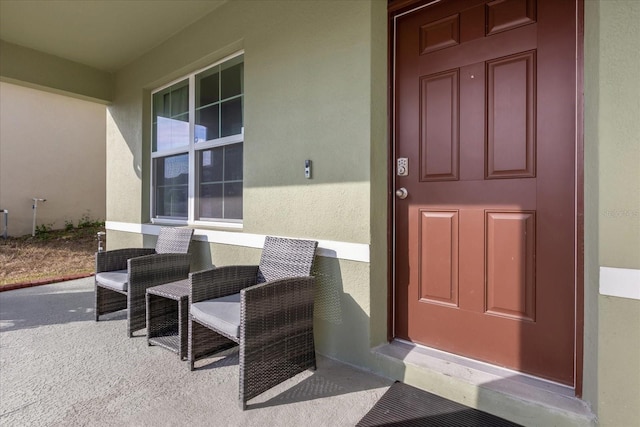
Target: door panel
point(511, 116)
point(510, 264)
point(484, 109)
point(438, 249)
point(439, 144)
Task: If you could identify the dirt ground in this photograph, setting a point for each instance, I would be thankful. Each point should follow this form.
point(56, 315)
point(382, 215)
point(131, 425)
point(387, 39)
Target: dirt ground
point(51, 254)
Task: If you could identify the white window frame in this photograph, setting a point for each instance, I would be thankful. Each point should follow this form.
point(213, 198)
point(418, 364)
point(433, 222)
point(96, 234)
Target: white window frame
point(192, 150)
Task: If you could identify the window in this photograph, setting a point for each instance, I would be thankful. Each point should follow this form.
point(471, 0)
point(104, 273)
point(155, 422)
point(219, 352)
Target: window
point(196, 149)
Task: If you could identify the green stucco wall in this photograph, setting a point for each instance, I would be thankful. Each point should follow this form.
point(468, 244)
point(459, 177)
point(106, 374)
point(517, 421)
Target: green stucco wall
point(619, 134)
point(307, 96)
point(591, 259)
point(315, 88)
point(25, 66)
point(612, 206)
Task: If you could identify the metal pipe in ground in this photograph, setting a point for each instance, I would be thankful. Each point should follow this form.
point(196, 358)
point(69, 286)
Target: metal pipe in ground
point(5, 229)
point(35, 209)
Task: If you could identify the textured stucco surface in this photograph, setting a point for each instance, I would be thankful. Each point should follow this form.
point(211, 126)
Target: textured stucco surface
point(615, 61)
point(315, 88)
point(591, 256)
point(52, 147)
point(42, 70)
point(308, 95)
point(619, 362)
point(619, 134)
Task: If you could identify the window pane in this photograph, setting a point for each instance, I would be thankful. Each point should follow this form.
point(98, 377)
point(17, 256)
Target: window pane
point(211, 165)
point(207, 87)
point(171, 133)
point(180, 100)
point(171, 186)
point(159, 104)
point(220, 182)
point(233, 162)
point(231, 117)
point(232, 81)
point(211, 201)
point(207, 123)
point(233, 200)
point(171, 117)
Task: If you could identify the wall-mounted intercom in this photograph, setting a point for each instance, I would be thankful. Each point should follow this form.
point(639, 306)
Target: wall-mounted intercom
point(307, 169)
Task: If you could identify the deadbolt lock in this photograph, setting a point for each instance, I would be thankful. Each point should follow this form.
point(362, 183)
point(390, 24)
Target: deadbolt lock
point(402, 166)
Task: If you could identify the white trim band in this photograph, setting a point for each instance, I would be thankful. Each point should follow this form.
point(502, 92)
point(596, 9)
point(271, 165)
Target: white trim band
point(326, 248)
point(620, 282)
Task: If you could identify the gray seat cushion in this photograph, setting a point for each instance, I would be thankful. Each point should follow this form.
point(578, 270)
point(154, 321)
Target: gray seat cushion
point(220, 313)
point(117, 280)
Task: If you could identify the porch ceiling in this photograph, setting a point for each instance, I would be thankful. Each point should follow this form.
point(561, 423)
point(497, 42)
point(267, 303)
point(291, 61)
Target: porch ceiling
point(103, 34)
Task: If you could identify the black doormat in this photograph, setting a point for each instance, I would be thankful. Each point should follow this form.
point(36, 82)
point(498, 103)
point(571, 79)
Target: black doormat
point(404, 405)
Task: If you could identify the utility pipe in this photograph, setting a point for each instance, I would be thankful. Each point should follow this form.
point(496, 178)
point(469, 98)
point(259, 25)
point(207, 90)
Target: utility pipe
point(101, 235)
point(6, 223)
point(35, 209)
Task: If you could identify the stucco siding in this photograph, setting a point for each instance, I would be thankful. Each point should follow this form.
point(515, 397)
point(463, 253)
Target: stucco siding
point(619, 131)
point(619, 362)
point(26, 66)
point(310, 92)
point(591, 257)
point(307, 96)
point(51, 147)
point(612, 156)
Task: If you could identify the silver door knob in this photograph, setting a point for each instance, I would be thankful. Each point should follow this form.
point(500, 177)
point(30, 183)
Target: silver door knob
point(402, 193)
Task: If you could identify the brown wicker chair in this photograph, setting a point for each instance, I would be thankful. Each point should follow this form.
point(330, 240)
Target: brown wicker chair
point(267, 309)
point(123, 275)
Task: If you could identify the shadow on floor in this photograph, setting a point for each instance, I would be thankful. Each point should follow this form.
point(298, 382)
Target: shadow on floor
point(58, 303)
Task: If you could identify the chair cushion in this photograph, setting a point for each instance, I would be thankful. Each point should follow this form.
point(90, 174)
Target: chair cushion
point(113, 279)
point(221, 313)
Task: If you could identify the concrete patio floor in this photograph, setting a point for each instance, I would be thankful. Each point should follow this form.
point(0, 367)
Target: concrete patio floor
point(59, 367)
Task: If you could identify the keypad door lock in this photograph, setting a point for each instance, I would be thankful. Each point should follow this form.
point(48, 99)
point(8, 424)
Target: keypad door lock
point(402, 166)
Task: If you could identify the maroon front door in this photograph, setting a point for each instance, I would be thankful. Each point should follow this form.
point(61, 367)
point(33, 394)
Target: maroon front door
point(485, 116)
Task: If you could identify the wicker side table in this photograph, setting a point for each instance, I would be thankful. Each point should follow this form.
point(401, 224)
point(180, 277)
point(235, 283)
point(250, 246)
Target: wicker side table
point(167, 316)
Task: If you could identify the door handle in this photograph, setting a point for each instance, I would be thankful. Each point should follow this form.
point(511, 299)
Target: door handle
point(402, 193)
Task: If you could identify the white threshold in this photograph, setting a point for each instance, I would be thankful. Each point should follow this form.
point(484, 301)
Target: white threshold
point(326, 248)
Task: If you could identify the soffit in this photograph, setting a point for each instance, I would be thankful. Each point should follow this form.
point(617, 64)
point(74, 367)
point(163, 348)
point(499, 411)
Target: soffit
point(103, 34)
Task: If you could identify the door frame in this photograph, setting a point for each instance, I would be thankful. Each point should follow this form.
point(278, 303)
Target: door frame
point(398, 8)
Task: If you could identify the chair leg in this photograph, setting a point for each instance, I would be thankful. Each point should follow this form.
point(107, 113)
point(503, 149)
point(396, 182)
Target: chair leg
point(107, 301)
point(204, 342)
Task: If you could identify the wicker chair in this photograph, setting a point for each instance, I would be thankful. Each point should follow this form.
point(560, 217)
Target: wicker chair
point(123, 275)
point(267, 309)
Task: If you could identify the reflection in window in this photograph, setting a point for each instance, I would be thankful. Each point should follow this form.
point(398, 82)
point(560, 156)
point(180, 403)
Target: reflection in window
point(171, 133)
point(171, 186)
point(171, 117)
point(199, 122)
